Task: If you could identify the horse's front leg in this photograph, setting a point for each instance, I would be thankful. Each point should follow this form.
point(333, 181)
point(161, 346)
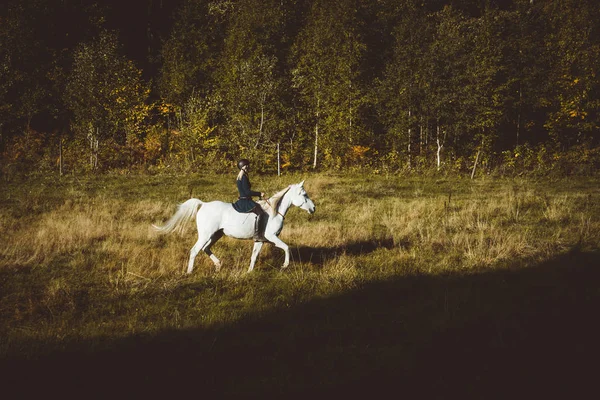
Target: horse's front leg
point(255, 251)
point(279, 243)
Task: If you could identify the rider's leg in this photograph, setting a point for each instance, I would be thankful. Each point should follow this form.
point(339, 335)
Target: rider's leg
point(260, 219)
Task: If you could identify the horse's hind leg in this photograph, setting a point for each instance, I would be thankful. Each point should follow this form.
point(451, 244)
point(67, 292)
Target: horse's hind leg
point(204, 242)
point(194, 252)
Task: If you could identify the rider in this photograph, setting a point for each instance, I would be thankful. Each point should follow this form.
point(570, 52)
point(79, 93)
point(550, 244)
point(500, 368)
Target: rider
point(245, 203)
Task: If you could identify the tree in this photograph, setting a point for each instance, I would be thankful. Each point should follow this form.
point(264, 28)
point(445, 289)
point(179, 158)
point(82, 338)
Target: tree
point(526, 63)
point(190, 55)
point(106, 95)
point(24, 66)
point(194, 137)
point(447, 78)
point(327, 57)
point(464, 90)
point(573, 115)
point(486, 88)
point(13, 40)
point(250, 78)
point(401, 91)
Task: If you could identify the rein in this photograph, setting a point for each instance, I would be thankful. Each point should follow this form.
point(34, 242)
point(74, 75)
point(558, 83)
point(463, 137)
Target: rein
point(282, 216)
point(277, 210)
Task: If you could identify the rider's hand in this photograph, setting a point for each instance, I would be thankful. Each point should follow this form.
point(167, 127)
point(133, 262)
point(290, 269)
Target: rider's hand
point(262, 195)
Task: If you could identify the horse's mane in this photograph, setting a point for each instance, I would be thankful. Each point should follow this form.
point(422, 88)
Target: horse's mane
point(273, 204)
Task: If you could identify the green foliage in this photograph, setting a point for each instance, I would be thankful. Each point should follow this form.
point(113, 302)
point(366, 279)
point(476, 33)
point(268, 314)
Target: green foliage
point(327, 56)
point(189, 55)
point(105, 91)
point(422, 86)
point(25, 82)
point(573, 113)
point(400, 94)
point(251, 86)
point(546, 160)
point(107, 97)
point(193, 144)
point(23, 153)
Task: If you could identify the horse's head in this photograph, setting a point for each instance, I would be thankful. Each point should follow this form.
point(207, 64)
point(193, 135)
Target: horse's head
point(300, 198)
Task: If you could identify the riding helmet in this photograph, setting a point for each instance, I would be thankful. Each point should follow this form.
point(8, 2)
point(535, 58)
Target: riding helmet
point(243, 162)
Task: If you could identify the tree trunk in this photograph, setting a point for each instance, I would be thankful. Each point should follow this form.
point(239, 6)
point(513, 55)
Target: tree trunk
point(440, 145)
point(316, 144)
point(60, 157)
point(94, 144)
point(409, 140)
point(475, 165)
point(261, 125)
point(278, 161)
point(316, 135)
point(421, 136)
point(519, 114)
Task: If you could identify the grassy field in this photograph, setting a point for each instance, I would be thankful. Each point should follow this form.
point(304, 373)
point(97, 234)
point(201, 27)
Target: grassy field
point(442, 286)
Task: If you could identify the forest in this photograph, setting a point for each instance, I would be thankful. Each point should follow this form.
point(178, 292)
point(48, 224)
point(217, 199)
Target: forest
point(508, 86)
point(454, 252)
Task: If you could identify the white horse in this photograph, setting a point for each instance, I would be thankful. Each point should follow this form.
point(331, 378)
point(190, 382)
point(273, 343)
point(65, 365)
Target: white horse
point(216, 218)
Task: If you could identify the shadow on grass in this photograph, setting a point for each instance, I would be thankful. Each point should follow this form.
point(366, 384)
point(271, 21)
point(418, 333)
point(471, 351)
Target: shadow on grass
point(318, 255)
point(527, 333)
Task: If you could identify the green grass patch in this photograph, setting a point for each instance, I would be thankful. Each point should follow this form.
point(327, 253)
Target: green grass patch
point(389, 272)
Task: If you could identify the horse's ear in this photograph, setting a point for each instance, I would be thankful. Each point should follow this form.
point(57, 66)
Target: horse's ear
point(301, 184)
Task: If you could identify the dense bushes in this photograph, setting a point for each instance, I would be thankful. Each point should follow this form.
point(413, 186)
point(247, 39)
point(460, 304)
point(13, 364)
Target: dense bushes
point(507, 87)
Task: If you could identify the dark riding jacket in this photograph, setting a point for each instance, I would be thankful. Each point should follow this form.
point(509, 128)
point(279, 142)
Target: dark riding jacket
point(245, 203)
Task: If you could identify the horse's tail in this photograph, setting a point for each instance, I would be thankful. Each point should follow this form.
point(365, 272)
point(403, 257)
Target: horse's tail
point(185, 212)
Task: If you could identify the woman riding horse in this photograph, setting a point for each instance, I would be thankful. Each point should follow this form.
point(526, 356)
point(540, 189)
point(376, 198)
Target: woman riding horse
point(245, 204)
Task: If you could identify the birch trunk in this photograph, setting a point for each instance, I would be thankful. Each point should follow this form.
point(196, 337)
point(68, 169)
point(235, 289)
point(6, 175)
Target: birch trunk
point(316, 135)
point(409, 140)
point(440, 145)
point(421, 136)
point(278, 161)
point(316, 144)
point(60, 157)
point(261, 125)
point(93, 139)
point(519, 114)
point(475, 165)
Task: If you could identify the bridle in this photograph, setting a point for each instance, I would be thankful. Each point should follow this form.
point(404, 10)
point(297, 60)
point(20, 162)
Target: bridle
point(303, 201)
point(282, 216)
point(267, 200)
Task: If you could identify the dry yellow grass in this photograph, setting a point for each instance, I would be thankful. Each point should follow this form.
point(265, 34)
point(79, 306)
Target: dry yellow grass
point(385, 268)
point(364, 229)
point(484, 227)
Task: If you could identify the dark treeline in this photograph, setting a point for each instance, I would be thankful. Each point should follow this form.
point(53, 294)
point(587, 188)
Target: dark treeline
point(385, 84)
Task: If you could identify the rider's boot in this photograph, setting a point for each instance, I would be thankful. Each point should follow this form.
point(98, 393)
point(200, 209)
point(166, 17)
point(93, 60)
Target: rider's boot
point(259, 224)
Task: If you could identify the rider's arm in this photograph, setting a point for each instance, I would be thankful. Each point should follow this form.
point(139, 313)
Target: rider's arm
point(245, 190)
